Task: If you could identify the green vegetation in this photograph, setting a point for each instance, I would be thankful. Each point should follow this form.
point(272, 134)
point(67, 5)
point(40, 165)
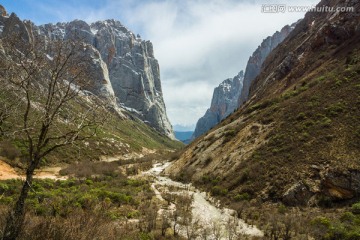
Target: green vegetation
point(242, 197)
point(120, 195)
point(219, 191)
point(308, 121)
point(346, 227)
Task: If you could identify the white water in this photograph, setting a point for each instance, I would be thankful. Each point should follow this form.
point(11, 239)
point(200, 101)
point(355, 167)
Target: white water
point(204, 210)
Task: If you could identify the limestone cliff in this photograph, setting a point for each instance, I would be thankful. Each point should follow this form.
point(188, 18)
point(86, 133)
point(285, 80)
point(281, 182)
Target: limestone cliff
point(224, 102)
point(253, 66)
point(133, 70)
point(122, 66)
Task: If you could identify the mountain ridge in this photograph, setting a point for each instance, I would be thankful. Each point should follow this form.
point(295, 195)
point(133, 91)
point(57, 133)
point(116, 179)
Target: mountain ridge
point(295, 140)
point(133, 70)
point(222, 105)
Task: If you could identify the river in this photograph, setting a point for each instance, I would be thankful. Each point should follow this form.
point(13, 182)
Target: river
point(207, 213)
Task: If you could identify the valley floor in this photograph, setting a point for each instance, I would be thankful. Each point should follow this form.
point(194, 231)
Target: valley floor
point(133, 199)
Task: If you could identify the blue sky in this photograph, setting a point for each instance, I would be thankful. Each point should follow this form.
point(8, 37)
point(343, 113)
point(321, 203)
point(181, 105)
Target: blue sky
point(199, 43)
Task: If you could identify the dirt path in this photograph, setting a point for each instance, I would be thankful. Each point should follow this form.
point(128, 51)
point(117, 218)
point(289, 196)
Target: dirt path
point(50, 172)
point(8, 172)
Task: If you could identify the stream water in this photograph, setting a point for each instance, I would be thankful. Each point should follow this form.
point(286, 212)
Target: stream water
point(205, 211)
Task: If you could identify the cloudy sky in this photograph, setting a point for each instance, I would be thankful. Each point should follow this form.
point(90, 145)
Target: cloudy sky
point(198, 43)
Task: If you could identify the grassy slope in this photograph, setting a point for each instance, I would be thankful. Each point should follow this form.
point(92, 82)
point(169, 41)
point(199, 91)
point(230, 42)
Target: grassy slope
point(294, 123)
point(316, 124)
point(117, 136)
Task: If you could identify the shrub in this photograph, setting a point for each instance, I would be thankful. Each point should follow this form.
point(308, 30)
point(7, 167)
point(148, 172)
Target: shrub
point(219, 191)
point(334, 109)
point(301, 116)
point(325, 122)
point(282, 209)
point(229, 135)
point(208, 160)
point(3, 187)
point(242, 197)
point(355, 208)
point(262, 105)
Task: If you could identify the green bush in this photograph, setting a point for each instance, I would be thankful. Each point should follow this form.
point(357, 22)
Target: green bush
point(355, 208)
point(242, 197)
point(335, 109)
point(262, 105)
point(219, 191)
point(301, 116)
point(282, 209)
point(229, 135)
point(3, 187)
point(325, 122)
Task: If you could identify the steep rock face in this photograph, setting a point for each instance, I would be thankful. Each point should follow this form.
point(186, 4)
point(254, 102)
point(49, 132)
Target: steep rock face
point(296, 140)
point(224, 102)
point(256, 60)
point(133, 70)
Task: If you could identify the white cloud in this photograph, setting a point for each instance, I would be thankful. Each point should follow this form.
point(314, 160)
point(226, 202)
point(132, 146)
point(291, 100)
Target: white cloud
point(198, 43)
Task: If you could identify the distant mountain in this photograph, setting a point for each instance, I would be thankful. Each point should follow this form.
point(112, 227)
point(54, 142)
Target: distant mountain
point(184, 137)
point(223, 103)
point(233, 92)
point(183, 128)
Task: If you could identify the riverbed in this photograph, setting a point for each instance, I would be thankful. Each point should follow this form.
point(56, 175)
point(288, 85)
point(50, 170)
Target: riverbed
point(206, 212)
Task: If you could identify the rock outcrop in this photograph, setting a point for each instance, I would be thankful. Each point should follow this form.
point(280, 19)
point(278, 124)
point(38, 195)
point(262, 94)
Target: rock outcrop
point(133, 70)
point(121, 65)
point(253, 66)
point(224, 102)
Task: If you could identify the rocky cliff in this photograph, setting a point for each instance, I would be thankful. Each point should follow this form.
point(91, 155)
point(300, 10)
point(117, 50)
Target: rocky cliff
point(223, 103)
point(256, 60)
point(45, 50)
point(232, 93)
point(123, 66)
point(296, 140)
point(133, 70)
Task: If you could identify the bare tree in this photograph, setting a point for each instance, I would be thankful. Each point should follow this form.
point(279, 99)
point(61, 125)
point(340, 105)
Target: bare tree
point(192, 228)
point(216, 230)
point(147, 221)
point(48, 79)
point(205, 233)
point(8, 104)
point(231, 228)
point(165, 222)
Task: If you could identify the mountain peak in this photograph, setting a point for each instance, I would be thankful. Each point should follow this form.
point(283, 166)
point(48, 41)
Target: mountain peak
point(3, 11)
point(130, 70)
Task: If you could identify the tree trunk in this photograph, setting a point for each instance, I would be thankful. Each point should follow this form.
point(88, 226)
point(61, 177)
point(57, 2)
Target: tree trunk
point(16, 216)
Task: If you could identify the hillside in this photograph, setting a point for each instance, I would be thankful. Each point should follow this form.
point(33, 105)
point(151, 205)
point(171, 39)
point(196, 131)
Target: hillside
point(133, 124)
point(296, 140)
